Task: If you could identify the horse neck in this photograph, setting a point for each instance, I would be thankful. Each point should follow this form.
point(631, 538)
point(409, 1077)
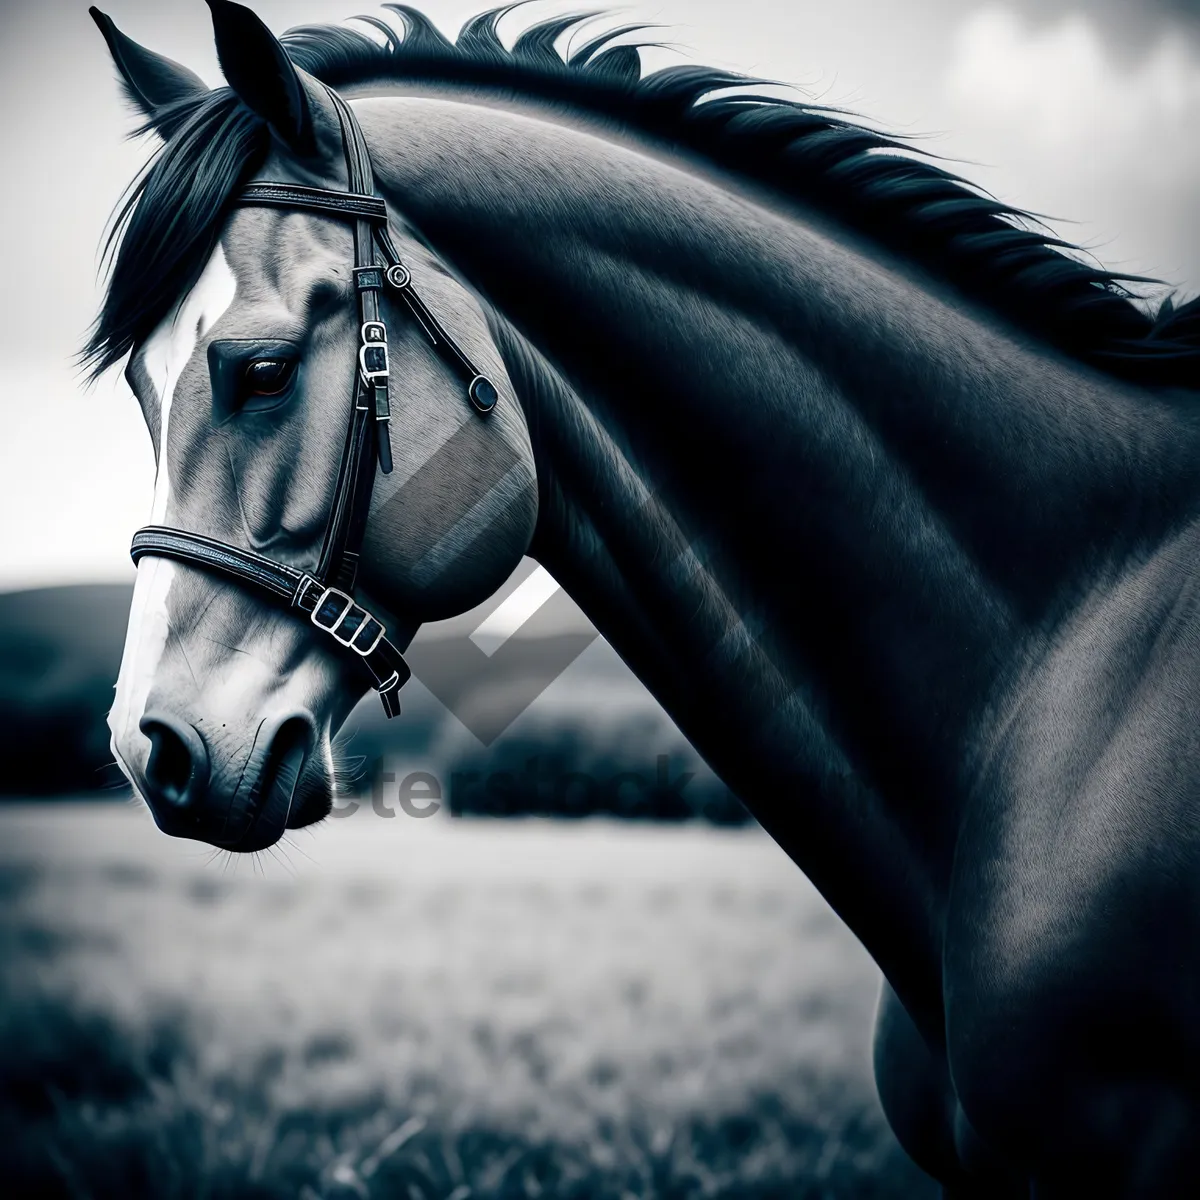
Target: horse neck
point(819, 509)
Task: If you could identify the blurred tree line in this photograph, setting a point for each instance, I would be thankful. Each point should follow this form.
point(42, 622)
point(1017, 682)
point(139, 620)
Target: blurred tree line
point(60, 651)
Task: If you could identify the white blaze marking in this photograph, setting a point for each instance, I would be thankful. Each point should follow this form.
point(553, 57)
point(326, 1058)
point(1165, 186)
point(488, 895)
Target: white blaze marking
point(167, 352)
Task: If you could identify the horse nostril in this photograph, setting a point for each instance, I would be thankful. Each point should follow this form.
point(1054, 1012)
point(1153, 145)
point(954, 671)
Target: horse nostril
point(177, 770)
point(284, 763)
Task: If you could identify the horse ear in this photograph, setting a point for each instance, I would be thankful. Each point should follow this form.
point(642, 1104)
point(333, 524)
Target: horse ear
point(151, 81)
point(258, 69)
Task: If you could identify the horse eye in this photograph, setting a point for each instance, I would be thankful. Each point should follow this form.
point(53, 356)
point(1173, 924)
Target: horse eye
point(268, 376)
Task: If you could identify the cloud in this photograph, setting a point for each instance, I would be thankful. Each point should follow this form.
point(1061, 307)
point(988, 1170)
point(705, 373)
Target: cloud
point(1139, 11)
point(1061, 84)
point(1129, 26)
point(1110, 141)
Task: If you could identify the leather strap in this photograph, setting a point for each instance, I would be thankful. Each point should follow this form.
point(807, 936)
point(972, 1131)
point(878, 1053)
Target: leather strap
point(331, 610)
point(367, 435)
point(263, 574)
point(347, 205)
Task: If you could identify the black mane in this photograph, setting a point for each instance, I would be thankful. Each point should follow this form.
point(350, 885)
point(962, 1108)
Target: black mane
point(870, 182)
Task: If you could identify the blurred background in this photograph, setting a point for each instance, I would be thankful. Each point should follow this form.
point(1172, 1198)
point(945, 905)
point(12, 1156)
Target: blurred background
point(497, 970)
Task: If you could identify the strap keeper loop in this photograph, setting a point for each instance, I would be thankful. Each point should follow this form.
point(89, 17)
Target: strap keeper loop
point(368, 278)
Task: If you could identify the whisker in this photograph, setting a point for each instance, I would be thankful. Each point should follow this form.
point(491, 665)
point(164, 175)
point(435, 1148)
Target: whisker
point(348, 771)
point(277, 855)
point(291, 845)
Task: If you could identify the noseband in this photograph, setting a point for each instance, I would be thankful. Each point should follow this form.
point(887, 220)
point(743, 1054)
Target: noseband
point(325, 594)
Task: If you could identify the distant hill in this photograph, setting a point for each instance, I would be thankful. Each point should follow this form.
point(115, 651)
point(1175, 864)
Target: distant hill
point(60, 651)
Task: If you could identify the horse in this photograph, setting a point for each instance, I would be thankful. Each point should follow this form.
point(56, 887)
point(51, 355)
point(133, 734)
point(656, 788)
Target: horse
point(889, 496)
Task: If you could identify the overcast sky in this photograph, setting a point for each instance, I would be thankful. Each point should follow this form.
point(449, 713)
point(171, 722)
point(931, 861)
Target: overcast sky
point(1084, 111)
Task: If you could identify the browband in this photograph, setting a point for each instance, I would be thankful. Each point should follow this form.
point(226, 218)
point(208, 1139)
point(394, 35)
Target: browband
point(349, 205)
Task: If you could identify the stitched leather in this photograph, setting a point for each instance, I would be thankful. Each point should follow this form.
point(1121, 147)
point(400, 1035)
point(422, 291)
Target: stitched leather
point(349, 205)
point(162, 542)
point(279, 582)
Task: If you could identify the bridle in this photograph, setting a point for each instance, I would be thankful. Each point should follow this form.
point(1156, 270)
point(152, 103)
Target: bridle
point(325, 594)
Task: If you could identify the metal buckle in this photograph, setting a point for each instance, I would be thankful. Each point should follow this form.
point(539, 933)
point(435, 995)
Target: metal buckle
point(364, 651)
point(333, 630)
point(373, 351)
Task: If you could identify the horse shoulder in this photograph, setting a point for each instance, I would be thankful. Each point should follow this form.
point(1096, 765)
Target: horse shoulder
point(1071, 980)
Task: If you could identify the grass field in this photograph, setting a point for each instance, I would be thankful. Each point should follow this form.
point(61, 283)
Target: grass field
point(429, 1009)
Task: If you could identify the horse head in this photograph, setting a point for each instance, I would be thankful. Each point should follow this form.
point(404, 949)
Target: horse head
point(243, 331)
